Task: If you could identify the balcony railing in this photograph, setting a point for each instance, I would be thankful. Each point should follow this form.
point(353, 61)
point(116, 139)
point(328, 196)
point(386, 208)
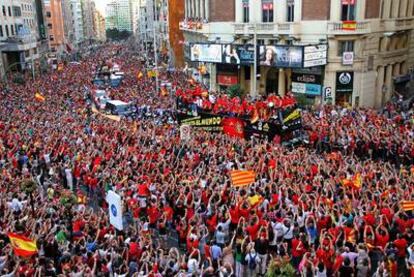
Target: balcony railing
point(194, 27)
point(343, 28)
point(264, 28)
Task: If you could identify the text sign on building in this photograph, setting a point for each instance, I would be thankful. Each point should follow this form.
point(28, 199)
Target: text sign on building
point(309, 89)
point(227, 80)
point(315, 55)
point(348, 58)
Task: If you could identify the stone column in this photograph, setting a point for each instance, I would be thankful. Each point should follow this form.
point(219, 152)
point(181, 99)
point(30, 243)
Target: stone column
point(280, 11)
point(239, 11)
point(282, 82)
point(379, 95)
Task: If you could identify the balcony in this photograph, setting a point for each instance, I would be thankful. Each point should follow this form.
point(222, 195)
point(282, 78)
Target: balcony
point(343, 28)
point(264, 28)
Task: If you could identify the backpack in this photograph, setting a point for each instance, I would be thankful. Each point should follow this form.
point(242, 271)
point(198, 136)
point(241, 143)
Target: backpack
point(252, 261)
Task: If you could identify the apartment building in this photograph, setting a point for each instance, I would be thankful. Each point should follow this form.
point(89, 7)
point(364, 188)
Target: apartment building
point(348, 52)
point(55, 25)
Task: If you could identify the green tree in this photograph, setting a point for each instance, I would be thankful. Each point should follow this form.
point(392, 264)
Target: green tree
point(234, 91)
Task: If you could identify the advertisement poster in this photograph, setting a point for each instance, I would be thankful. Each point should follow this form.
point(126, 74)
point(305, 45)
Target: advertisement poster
point(206, 53)
point(281, 56)
point(238, 54)
point(345, 81)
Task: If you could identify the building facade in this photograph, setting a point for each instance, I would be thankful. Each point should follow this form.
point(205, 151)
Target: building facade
point(55, 25)
point(356, 52)
point(77, 19)
point(100, 26)
point(68, 22)
point(119, 15)
point(23, 37)
point(88, 17)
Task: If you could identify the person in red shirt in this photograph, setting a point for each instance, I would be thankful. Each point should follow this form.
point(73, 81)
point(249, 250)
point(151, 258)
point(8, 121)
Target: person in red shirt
point(381, 236)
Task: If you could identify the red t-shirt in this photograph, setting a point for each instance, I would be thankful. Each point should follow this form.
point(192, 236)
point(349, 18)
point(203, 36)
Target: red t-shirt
point(381, 240)
point(401, 245)
point(253, 230)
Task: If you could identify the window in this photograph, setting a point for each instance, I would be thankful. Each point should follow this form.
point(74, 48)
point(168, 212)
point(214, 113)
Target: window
point(7, 31)
point(348, 10)
point(345, 46)
point(267, 10)
point(246, 11)
point(260, 42)
point(52, 38)
point(290, 11)
point(17, 12)
point(9, 9)
point(12, 29)
point(49, 25)
point(1, 31)
point(48, 14)
point(4, 11)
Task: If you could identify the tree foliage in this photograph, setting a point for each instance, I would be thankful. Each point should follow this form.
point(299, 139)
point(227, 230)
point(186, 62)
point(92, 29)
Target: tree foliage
point(115, 34)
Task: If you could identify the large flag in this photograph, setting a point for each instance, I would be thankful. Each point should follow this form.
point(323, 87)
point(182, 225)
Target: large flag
point(39, 97)
point(233, 126)
point(22, 246)
point(407, 205)
point(115, 209)
point(241, 178)
point(109, 116)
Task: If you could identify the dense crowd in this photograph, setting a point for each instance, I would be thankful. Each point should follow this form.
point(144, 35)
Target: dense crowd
point(304, 215)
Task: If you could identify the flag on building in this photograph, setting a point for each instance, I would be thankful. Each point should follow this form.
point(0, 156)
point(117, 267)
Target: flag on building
point(39, 97)
point(22, 246)
point(240, 178)
point(407, 205)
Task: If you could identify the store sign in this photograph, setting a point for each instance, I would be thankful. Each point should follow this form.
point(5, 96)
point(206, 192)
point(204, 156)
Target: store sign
point(306, 78)
point(315, 55)
point(345, 81)
point(238, 54)
point(309, 89)
point(348, 58)
point(227, 80)
point(328, 93)
point(206, 53)
point(281, 56)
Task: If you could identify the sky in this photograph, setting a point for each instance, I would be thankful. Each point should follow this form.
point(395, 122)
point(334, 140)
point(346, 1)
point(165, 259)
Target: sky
point(100, 5)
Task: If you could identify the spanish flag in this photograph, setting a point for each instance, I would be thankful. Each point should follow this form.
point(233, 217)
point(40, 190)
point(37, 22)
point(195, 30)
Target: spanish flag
point(407, 205)
point(241, 178)
point(22, 246)
point(357, 181)
point(39, 97)
point(140, 75)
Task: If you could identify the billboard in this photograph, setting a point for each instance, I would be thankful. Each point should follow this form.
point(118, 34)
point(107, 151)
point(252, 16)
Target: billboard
point(238, 54)
point(281, 56)
point(206, 53)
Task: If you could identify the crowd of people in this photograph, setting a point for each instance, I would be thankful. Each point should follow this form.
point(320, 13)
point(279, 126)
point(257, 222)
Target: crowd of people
point(329, 208)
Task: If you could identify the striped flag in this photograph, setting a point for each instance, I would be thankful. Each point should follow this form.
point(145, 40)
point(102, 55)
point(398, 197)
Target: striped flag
point(407, 205)
point(241, 178)
point(22, 246)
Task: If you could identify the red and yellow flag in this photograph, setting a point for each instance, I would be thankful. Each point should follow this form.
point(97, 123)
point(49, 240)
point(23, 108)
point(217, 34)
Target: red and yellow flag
point(140, 75)
point(241, 178)
point(407, 205)
point(22, 246)
point(357, 181)
point(39, 97)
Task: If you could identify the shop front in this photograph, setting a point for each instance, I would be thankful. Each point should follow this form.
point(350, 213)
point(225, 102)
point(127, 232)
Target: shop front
point(344, 88)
